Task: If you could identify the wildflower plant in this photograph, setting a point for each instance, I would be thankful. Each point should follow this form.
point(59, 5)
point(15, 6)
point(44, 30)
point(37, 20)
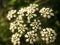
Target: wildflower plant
point(27, 23)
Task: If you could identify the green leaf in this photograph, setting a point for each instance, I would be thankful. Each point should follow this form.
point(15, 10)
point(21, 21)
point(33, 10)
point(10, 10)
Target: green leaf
point(12, 2)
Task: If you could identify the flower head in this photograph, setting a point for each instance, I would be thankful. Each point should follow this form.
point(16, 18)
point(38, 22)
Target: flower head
point(31, 37)
point(15, 39)
point(12, 26)
point(46, 12)
point(48, 35)
point(22, 11)
point(36, 24)
point(31, 11)
point(22, 28)
point(11, 14)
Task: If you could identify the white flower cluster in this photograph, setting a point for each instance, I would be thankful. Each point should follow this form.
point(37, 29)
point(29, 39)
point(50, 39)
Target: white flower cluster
point(31, 11)
point(18, 26)
point(22, 11)
point(46, 12)
point(31, 37)
point(19, 19)
point(36, 24)
point(22, 28)
point(15, 39)
point(48, 35)
point(12, 26)
point(24, 23)
point(11, 14)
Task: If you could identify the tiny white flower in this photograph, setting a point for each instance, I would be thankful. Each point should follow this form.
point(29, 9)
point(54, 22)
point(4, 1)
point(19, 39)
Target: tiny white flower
point(27, 40)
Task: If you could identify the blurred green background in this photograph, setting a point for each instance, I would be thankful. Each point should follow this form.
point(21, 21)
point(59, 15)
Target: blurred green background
point(6, 5)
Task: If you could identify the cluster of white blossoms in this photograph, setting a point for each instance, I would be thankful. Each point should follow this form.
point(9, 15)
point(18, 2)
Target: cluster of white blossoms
point(46, 12)
point(48, 35)
point(31, 37)
point(22, 28)
point(31, 11)
point(19, 19)
point(12, 26)
point(27, 22)
point(15, 39)
point(21, 11)
point(11, 14)
point(36, 24)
